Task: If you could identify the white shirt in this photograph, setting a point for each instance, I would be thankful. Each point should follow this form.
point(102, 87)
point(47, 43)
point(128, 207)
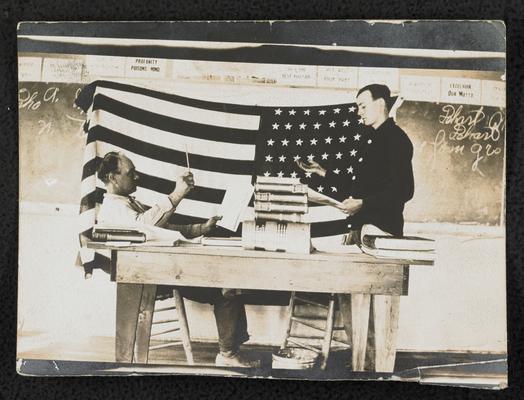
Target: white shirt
point(126, 211)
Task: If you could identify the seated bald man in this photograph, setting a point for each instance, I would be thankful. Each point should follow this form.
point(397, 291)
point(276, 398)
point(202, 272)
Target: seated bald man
point(118, 208)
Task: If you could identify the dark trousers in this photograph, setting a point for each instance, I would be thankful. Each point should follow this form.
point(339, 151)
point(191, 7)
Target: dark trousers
point(230, 315)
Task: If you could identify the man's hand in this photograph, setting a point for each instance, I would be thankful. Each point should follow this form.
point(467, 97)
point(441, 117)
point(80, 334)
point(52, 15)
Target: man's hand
point(312, 166)
point(184, 184)
point(350, 206)
point(210, 224)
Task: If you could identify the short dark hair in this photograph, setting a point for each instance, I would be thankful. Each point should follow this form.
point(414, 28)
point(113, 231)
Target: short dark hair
point(379, 92)
point(109, 164)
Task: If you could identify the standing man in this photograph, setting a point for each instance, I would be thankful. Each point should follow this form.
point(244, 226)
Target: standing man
point(119, 208)
point(385, 183)
point(385, 180)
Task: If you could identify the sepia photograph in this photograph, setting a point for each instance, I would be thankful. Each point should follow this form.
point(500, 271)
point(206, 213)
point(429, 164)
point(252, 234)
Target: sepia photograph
point(320, 200)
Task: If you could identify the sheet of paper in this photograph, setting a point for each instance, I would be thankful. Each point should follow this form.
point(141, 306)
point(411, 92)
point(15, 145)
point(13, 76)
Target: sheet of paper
point(233, 206)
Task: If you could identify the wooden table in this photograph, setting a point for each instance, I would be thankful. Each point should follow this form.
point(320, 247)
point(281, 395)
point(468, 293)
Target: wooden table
point(369, 280)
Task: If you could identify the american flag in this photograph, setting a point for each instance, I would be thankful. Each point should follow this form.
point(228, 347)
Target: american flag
point(333, 136)
point(228, 144)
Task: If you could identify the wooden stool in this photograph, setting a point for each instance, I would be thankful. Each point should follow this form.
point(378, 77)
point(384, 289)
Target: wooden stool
point(183, 328)
point(309, 321)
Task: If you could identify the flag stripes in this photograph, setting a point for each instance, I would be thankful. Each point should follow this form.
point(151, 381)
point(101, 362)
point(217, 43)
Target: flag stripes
point(154, 130)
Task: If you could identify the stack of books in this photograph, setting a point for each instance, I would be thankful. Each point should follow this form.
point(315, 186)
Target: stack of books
point(280, 205)
point(280, 199)
point(101, 234)
point(380, 244)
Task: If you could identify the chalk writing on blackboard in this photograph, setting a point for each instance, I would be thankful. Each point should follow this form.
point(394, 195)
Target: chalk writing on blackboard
point(31, 100)
point(474, 132)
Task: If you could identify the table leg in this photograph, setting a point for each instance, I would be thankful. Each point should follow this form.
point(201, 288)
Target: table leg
point(386, 315)
point(145, 319)
point(128, 296)
point(184, 327)
point(360, 307)
point(344, 305)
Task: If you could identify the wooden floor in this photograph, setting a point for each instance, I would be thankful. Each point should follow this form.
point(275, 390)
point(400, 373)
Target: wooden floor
point(96, 356)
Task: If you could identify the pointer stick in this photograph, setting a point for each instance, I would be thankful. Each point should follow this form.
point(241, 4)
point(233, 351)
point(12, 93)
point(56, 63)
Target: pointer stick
point(187, 159)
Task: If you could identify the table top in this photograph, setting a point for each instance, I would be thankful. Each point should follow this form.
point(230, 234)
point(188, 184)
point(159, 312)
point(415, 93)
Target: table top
point(223, 251)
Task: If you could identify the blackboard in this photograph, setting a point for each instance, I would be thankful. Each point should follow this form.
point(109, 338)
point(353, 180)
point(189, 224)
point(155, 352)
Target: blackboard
point(51, 142)
point(458, 154)
point(458, 161)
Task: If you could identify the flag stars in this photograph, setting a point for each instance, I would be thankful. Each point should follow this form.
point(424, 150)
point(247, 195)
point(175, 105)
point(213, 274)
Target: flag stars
point(345, 123)
point(275, 127)
point(288, 126)
point(280, 174)
point(338, 155)
point(320, 189)
point(322, 112)
point(270, 142)
point(360, 121)
point(349, 170)
point(302, 126)
point(307, 112)
point(342, 139)
point(292, 112)
point(269, 158)
point(310, 157)
point(332, 124)
point(333, 189)
point(308, 174)
point(370, 141)
point(282, 158)
point(353, 153)
point(266, 174)
point(316, 125)
point(351, 109)
point(328, 139)
point(313, 142)
point(357, 136)
point(296, 158)
point(325, 156)
point(299, 142)
point(293, 174)
point(278, 111)
point(336, 171)
point(354, 178)
point(336, 110)
point(284, 142)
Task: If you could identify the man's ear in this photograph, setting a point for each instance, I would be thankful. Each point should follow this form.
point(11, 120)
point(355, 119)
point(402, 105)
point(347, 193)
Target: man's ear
point(111, 178)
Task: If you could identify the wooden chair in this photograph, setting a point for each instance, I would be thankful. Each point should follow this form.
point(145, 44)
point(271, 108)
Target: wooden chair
point(182, 327)
point(314, 322)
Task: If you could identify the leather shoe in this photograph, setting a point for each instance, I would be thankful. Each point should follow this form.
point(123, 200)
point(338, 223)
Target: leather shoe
point(236, 361)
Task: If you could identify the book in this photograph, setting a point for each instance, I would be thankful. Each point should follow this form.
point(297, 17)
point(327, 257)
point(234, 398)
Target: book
point(222, 241)
point(280, 207)
point(288, 217)
point(284, 198)
point(398, 242)
point(133, 237)
point(400, 254)
point(115, 230)
point(288, 188)
point(277, 180)
point(369, 246)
